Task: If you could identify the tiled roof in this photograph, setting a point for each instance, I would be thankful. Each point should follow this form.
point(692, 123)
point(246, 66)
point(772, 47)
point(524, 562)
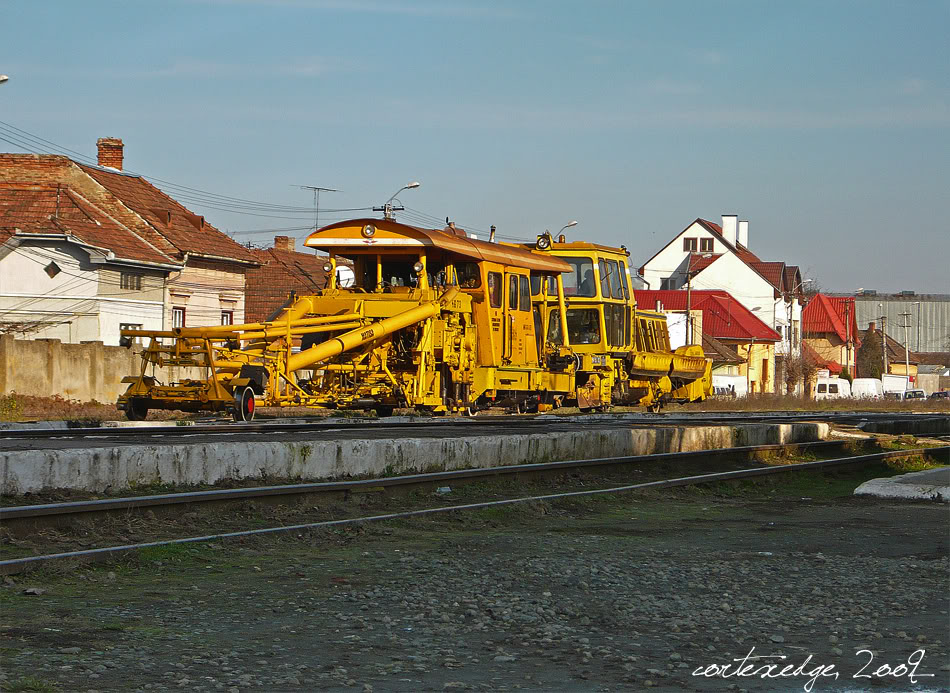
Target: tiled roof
point(895, 350)
point(268, 286)
point(46, 209)
point(831, 314)
point(774, 272)
point(723, 316)
point(720, 353)
point(184, 230)
point(934, 358)
point(744, 253)
point(697, 263)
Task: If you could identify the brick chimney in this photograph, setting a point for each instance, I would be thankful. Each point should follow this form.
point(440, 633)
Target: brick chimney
point(872, 326)
point(110, 152)
point(285, 243)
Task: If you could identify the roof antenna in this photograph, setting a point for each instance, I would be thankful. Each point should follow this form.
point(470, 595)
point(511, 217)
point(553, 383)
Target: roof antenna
point(491, 235)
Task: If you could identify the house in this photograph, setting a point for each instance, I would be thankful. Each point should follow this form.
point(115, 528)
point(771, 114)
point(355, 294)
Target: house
point(282, 271)
point(734, 327)
point(899, 359)
point(830, 333)
point(122, 240)
point(706, 255)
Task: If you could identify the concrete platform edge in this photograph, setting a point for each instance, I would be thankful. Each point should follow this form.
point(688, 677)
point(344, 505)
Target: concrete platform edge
point(121, 468)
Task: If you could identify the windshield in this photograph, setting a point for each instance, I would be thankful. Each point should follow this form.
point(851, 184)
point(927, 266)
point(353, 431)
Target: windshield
point(580, 280)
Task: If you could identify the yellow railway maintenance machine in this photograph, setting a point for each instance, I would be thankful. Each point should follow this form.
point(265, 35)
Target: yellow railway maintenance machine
point(623, 355)
point(434, 320)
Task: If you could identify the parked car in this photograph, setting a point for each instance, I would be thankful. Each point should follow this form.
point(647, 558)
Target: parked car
point(940, 394)
point(832, 388)
point(915, 394)
point(867, 388)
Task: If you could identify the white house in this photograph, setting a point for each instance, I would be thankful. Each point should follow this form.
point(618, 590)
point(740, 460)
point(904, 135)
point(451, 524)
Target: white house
point(70, 271)
point(86, 250)
point(706, 255)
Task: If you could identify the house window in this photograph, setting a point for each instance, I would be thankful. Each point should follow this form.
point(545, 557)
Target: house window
point(705, 245)
point(52, 269)
point(667, 284)
point(131, 281)
point(178, 316)
point(689, 245)
point(227, 317)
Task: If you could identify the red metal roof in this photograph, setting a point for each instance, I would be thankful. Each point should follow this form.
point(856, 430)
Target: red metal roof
point(818, 360)
point(831, 314)
point(723, 316)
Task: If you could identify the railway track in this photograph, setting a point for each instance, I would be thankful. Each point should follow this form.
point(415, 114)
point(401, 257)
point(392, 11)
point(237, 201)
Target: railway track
point(276, 428)
point(17, 519)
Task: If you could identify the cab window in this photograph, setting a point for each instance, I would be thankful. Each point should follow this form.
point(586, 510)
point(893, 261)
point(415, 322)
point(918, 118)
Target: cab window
point(494, 289)
point(525, 302)
point(579, 281)
point(623, 279)
point(469, 276)
point(616, 290)
point(513, 292)
point(583, 326)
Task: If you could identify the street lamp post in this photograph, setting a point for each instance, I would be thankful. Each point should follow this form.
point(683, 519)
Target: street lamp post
point(387, 208)
point(788, 326)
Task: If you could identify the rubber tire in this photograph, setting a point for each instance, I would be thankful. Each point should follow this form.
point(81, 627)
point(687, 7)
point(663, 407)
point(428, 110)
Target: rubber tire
point(244, 405)
point(136, 410)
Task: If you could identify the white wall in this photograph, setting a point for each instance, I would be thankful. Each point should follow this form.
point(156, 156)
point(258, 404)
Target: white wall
point(68, 305)
point(204, 291)
point(672, 258)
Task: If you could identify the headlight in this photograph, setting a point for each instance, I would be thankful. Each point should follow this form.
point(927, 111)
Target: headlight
point(327, 267)
point(544, 242)
point(418, 267)
point(369, 231)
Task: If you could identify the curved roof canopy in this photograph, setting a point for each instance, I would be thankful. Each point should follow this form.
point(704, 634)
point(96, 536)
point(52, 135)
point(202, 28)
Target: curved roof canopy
point(347, 236)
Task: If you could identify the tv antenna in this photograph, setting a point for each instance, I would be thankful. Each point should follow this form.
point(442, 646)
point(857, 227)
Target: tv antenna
point(316, 201)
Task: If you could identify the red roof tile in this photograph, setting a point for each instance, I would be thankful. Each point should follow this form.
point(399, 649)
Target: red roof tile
point(831, 314)
point(186, 231)
point(36, 209)
point(723, 316)
point(772, 271)
point(268, 286)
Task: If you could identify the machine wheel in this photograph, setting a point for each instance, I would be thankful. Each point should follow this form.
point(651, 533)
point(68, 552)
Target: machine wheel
point(654, 407)
point(382, 410)
point(244, 405)
point(136, 410)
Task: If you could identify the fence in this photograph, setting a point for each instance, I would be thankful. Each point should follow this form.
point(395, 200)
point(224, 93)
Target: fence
point(84, 372)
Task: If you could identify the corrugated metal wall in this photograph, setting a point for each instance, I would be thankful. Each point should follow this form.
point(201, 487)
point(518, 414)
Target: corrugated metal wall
point(934, 320)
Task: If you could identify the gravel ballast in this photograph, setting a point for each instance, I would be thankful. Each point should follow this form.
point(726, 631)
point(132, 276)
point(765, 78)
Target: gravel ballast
point(639, 591)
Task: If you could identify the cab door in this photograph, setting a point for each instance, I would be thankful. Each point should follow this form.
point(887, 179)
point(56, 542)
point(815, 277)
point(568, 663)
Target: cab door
point(520, 345)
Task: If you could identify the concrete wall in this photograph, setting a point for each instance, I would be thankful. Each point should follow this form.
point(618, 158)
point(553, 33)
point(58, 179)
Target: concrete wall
point(84, 372)
point(125, 467)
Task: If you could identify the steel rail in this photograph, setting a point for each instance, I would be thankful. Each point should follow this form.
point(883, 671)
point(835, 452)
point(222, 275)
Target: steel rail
point(218, 495)
point(105, 432)
point(12, 565)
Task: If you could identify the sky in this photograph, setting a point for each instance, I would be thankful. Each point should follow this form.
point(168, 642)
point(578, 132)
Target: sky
point(825, 124)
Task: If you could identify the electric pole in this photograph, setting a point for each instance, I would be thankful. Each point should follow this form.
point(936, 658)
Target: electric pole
point(905, 323)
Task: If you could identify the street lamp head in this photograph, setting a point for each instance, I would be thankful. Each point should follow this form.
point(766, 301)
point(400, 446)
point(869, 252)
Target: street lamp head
point(413, 184)
point(3, 78)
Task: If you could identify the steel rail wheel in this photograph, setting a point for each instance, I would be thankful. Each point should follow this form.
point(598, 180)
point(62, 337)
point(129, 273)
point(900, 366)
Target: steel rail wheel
point(244, 405)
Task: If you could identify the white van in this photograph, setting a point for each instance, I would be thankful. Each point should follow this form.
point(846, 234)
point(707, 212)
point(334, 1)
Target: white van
point(832, 388)
point(867, 388)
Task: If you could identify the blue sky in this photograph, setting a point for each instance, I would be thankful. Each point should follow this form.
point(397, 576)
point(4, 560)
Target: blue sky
point(825, 124)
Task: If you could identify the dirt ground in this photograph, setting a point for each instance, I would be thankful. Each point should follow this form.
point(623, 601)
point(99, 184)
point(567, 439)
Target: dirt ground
point(654, 590)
